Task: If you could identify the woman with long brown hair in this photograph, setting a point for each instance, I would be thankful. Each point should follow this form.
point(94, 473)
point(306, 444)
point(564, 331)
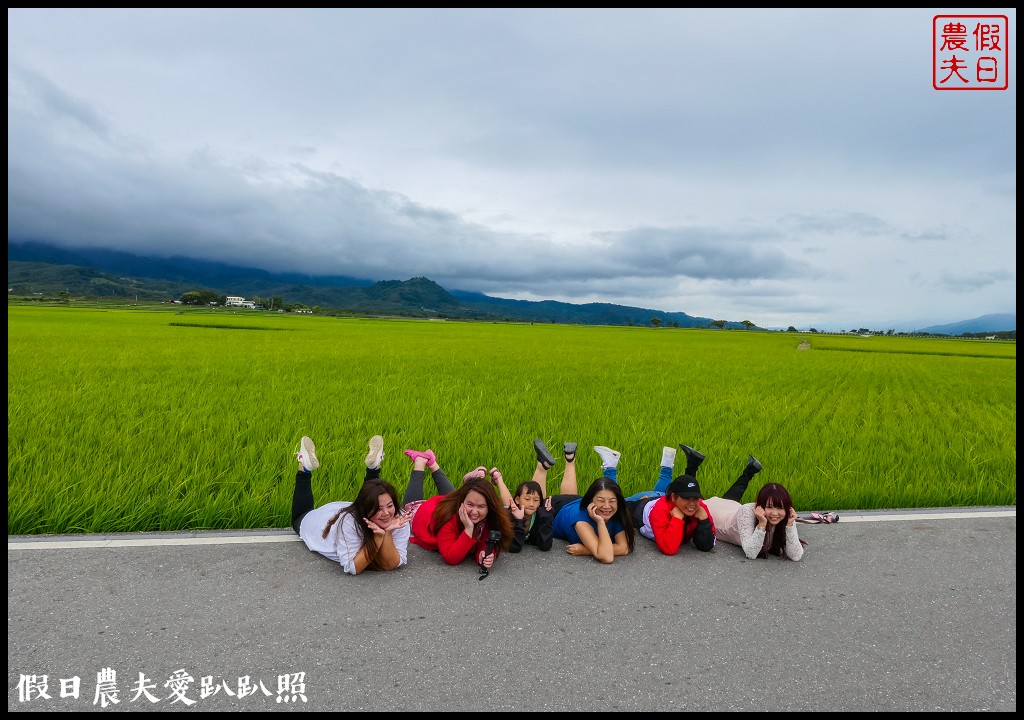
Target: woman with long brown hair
point(368, 533)
point(457, 522)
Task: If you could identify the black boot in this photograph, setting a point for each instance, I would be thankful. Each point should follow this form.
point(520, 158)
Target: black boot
point(740, 486)
point(753, 466)
point(693, 460)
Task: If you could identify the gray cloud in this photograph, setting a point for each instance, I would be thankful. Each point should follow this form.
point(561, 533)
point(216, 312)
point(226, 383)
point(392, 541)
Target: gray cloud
point(973, 282)
point(794, 170)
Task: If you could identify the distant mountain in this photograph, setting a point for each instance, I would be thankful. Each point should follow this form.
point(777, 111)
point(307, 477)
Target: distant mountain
point(189, 271)
point(588, 313)
point(40, 268)
point(986, 323)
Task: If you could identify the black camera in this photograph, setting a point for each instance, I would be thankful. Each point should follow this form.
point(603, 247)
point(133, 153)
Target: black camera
point(493, 538)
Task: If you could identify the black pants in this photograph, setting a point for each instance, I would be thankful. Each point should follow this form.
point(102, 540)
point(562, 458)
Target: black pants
point(560, 501)
point(415, 489)
point(738, 488)
point(302, 497)
point(636, 509)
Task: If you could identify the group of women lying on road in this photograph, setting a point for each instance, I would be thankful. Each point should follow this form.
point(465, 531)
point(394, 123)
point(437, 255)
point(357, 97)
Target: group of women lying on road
point(482, 518)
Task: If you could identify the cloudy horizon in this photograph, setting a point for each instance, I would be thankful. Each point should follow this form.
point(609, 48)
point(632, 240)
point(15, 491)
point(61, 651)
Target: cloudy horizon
point(787, 167)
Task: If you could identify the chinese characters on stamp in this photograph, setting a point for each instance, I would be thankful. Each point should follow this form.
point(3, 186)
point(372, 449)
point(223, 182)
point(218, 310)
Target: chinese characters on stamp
point(970, 52)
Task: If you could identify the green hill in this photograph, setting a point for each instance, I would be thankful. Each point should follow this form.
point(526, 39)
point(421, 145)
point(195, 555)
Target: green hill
point(35, 269)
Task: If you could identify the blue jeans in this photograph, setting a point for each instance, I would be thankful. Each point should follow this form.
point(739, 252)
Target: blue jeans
point(664, 478)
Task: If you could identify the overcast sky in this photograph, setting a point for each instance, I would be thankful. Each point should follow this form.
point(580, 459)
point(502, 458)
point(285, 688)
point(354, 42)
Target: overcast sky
point(787, 167)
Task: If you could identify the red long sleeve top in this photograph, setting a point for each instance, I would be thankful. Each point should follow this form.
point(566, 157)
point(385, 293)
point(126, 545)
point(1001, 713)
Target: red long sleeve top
point(451, 539)
point(670, 533)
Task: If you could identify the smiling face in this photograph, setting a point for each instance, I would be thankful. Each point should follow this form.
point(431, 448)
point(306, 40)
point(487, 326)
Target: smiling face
point(773, 514)
point(476, 506)
point(385, 510)
point(528, 501)
point(605, 504)
point(687, 506)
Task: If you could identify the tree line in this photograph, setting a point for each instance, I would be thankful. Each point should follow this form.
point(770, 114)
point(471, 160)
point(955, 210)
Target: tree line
point(210, 298)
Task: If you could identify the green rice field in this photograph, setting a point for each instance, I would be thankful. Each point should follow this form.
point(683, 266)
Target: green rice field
point(123, 420)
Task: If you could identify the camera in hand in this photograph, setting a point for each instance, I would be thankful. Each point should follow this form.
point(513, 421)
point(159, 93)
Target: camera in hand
point(493, 538)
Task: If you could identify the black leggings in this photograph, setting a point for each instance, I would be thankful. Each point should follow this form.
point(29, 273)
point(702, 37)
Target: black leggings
point(560, 501)
point(738, 488)
point(302, 498)
point(636, 508)
point(415, 489)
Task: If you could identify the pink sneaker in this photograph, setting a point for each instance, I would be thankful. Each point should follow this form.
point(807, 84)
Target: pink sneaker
point(480, 472)
point(428, 455)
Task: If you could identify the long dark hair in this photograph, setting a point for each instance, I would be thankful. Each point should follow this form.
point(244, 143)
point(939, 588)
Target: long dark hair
point(366, 505)
point(777, 496)
point(622, 514)
point(497, 518)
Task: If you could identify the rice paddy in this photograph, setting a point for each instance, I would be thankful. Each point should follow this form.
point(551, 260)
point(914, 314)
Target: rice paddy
point(123, 420)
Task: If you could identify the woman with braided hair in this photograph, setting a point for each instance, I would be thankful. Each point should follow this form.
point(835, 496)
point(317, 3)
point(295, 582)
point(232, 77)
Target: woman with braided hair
point(368, 533)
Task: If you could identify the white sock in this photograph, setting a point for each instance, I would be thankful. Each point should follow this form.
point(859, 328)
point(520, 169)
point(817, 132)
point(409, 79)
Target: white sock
point(668, 457)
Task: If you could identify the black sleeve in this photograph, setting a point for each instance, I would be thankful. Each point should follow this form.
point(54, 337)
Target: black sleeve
point(520, 537)
point(543, 530)
point(704, 537)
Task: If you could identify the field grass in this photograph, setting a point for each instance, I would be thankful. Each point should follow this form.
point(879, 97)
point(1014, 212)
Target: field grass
point(133, 419)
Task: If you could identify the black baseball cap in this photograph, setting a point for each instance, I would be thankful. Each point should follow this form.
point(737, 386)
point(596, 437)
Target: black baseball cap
point(685, 486)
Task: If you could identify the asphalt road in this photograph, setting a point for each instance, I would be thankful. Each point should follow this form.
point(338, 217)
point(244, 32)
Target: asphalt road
point(889, 611)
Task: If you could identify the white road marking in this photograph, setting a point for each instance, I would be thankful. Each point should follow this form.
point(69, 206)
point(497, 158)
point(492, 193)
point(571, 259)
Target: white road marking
point(147, 542)
point(843, 518)
point(85, 542)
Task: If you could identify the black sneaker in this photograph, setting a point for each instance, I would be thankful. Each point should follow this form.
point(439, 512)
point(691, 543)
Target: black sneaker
point(544, 457)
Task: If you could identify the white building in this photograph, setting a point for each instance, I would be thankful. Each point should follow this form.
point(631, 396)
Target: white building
point(234, 301)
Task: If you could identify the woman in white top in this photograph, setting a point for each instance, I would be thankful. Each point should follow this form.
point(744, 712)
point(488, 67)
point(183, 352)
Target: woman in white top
point(368, 533)
point(764, 527)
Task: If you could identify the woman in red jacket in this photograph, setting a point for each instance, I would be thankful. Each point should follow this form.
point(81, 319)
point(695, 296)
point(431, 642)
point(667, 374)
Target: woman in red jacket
point(456, 523)
point(674, 512)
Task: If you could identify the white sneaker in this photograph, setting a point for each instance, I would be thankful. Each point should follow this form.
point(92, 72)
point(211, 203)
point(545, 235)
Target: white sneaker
point(376, 452)
point(307, 455)
point(668, 457)
point(609, 457)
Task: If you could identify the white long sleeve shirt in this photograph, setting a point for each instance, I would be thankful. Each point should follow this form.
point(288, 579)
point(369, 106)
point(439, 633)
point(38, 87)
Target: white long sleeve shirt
point(344, 541)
